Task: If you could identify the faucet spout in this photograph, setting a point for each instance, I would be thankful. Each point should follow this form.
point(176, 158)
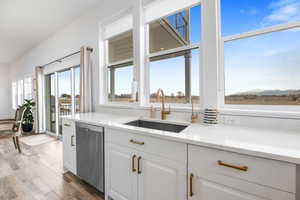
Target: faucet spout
point(159, 93)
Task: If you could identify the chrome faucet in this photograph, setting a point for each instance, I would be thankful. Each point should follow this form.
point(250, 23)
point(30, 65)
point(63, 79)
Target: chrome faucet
point(164, 113)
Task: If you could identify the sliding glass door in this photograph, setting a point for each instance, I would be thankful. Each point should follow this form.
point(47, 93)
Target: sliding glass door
point(50, 102)
point(62, 97)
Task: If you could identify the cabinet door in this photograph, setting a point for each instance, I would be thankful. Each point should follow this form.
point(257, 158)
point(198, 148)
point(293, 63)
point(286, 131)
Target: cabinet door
point(69, 147)
point(160, 178)
point(206, 190)
point(121, 176)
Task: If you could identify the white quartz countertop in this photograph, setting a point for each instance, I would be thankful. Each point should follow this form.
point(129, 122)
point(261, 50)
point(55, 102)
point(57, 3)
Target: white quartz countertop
point(267, 143)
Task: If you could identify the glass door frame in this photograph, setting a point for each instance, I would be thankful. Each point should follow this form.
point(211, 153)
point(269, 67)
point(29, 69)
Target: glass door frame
point(73, 100)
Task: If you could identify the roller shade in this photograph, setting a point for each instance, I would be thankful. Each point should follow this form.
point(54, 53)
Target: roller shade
point(118, 26)
point(161, 8)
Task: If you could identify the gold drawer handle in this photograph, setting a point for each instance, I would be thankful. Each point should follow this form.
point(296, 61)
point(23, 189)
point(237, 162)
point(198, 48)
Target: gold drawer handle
point(68, 125)
point(136, 142)
point(191, 184)
point(242, 168)
point(139, 165)
point(133, 159)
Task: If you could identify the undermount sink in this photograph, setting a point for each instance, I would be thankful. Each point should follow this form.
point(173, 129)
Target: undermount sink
point(176, 128)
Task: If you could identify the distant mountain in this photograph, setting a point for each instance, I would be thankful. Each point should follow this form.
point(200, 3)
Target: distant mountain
point(260, 92)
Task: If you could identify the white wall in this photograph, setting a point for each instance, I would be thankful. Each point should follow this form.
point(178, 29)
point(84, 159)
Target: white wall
point(83, 31)
point(5, 92)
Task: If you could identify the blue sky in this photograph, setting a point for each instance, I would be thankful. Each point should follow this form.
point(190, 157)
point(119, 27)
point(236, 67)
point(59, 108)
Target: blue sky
point(269, 61)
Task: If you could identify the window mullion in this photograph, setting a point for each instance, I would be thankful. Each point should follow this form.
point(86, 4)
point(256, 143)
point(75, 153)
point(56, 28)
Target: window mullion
point(139, 53)
point(210, 54)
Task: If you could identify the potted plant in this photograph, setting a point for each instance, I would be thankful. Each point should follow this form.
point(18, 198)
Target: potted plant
point(28, 120)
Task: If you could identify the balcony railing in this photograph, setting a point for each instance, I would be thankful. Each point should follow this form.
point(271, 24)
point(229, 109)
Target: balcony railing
point(180, 24)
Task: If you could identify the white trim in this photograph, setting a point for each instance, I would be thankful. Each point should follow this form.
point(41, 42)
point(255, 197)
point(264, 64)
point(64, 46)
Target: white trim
point(175, 50)
point(162, 8)
point(56, 104)
point(119, 62)
point(65, 64)
point(278, 108)
point(102, 45)
point(260, 113)
point(73, 100)
point(139, 53)
point(262, 31)
point(210, 53)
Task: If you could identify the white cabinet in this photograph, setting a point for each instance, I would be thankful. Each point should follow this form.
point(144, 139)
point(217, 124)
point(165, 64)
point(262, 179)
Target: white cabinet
point(69, 145)
point(215, 174)
point(120, 177)
point(136, 170)
point(161, 178)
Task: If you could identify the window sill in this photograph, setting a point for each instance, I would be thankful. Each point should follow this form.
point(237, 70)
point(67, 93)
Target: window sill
point(260, 113)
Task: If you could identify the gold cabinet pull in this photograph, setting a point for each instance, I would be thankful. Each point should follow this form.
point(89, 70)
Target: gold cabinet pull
point(67, 125)
point(72, 141)
point(191, 184)
point(139, 165)
point(242, 168)
point(136, 142)
point(133, 161)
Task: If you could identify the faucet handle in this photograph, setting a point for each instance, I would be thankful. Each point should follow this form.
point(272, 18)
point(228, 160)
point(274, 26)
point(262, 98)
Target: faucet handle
point(168, 111)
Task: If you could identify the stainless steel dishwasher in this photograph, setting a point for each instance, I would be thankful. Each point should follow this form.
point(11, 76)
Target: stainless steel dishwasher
point(90, 154)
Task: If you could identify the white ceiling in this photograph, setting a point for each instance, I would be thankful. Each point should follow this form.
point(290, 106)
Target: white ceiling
point(25, 23)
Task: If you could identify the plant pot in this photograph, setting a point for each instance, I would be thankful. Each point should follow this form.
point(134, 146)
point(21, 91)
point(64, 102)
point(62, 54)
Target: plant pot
point(27, 127)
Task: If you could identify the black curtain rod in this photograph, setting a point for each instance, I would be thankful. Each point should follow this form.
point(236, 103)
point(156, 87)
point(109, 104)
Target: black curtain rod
point(69, 55)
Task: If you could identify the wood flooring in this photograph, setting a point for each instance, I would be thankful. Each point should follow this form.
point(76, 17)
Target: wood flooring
point(37, 174)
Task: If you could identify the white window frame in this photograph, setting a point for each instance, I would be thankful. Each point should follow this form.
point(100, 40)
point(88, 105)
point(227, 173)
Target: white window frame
point(169, 51)
point(108, 65)
point(14, 93)
point(28, 87)
point(20, 86)
point(248, 108)
point(211, 56)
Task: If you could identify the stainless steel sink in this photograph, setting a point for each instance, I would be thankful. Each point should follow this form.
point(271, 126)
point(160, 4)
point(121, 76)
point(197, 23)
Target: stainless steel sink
point(176, 128)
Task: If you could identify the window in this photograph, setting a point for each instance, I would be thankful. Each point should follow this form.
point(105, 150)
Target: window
point(120, 82)
point(15, 95)
point(28, 88)
point(249, 15)
point(175, 86)
point(20, 92)
point(174, 49)
point(261, 67)
point(120, 68)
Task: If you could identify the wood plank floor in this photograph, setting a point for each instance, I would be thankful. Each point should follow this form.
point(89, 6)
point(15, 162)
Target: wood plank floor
point(37, 174)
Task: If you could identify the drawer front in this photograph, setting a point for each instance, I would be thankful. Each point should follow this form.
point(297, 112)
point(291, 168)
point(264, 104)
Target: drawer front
point(165, 148)
point(206, 162)
point(68, 126)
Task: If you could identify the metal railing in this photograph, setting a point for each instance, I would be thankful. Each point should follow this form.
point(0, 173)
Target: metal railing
point(180, 24)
